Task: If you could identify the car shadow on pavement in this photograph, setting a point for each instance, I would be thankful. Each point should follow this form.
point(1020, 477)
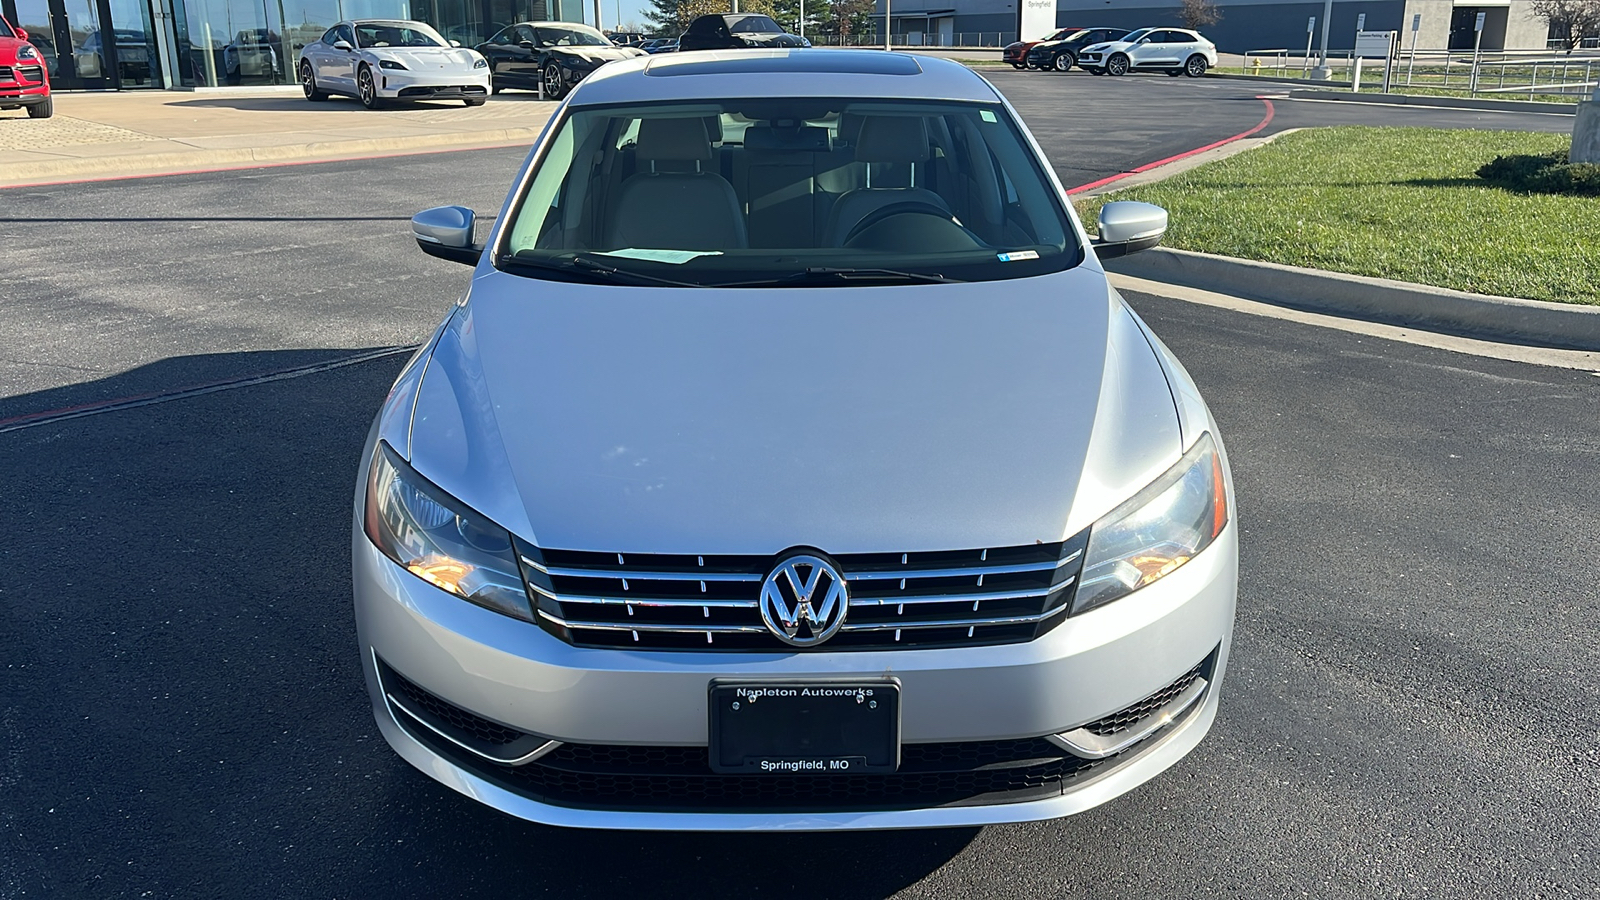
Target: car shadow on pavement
point(183, 704)
point(289, 102)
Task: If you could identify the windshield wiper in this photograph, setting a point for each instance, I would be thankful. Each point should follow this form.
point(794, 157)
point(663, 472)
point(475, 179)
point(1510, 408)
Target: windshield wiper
point(826, 273)
point(578, 265)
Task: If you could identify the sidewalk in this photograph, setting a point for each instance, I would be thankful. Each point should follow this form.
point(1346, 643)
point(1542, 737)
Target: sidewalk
point(106, 135)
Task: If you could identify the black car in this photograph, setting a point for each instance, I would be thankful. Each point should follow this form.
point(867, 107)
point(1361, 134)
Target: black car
point(556, 55)
point(726, 31)
point(1061, 55)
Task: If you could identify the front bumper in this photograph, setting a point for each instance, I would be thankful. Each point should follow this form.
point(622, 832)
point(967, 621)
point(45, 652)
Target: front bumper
point(413, 85)
point(23, 85)
point(517, 675)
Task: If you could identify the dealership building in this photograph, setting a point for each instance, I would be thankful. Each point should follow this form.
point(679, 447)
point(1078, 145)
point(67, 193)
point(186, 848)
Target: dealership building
point(200, 43)
point(1245, 24)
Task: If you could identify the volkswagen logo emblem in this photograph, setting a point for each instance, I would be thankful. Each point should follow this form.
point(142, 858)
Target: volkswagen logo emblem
point(804, 600)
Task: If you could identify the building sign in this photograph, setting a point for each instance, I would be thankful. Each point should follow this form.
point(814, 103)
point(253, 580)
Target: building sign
point(1375, 44)
point(1038, 19)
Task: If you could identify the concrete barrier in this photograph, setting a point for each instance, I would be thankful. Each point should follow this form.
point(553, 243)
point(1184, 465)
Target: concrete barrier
point(1533, 322)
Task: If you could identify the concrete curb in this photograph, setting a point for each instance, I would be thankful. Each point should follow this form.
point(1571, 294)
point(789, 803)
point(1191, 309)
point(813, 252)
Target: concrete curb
point(1279, 79)
point(1565, 109)
point(1179, 166)
point(1378, 299)
point(23, 174)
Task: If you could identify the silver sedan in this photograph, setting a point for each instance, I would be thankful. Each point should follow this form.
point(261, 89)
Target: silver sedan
point(790, 463)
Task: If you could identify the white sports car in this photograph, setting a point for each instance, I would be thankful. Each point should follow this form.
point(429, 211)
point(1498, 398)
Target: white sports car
point(375, 60)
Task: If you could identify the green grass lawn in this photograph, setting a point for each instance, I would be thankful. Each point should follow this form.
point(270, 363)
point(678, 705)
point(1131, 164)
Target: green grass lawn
point(1401, 203)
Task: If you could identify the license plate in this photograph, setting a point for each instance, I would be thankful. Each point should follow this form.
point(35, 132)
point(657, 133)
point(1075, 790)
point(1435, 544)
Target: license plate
point(805, 728)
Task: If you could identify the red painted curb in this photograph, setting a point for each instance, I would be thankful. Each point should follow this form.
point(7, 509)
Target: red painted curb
point(1265, 121)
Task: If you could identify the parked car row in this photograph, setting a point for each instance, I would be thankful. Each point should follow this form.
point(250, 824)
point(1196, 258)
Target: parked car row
point(378, 60)
point(1117, 51)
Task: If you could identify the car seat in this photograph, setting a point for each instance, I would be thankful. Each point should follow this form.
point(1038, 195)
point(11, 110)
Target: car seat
point(883, 139)
point(688, 209)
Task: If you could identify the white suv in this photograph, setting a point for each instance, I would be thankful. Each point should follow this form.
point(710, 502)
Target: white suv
point(1172, 50)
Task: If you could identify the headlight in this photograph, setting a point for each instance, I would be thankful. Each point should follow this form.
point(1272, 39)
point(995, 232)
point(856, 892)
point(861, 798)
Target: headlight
point(390, 64)
point(434, 537)
point(1159, 529)
point(26, 51)
point(480, 63)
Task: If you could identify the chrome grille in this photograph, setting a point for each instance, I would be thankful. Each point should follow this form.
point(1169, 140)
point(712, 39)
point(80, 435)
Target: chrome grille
point(928, 599)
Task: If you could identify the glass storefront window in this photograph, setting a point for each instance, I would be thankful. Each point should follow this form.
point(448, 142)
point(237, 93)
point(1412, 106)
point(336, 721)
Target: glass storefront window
point(97, 44)
point(245, 42)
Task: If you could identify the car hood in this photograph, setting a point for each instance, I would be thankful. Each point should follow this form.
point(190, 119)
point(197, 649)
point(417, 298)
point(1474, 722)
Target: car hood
point(1109, 45)
point(597, 55)
point(425, 58)
point(864, 419)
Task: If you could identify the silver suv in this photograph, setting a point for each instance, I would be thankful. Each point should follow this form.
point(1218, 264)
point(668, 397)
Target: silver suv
point(789, 463)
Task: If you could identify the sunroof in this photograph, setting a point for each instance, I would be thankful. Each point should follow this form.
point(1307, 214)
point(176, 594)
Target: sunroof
point(840, 62)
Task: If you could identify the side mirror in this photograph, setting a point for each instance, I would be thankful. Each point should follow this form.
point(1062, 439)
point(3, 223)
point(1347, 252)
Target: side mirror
point(1127, 226)
point(342, 45)
point(21, 35)
point(455, 43)
point(446, 232)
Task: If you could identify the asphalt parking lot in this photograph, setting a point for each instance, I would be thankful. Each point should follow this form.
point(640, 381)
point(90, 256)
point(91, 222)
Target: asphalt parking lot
point(1410, 707)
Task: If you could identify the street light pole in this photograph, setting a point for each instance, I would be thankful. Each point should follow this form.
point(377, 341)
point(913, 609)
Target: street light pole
point(888, 26)
point(1322, 72)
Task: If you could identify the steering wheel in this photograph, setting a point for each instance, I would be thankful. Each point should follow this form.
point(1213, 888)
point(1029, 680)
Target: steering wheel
point(904, 207)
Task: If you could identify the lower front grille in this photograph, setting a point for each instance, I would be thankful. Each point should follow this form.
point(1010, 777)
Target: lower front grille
point(1126, 718)
point(679, 779)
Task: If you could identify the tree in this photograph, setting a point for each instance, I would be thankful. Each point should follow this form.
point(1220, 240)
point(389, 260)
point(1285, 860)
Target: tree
point(671, 17)
point(1570, 21)
point(842, 17)
point(1197, 14)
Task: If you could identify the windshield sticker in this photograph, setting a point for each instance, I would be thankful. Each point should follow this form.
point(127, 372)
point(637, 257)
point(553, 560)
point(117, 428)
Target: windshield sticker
point(1016, 255)
point(672, 257)
point(987, 115)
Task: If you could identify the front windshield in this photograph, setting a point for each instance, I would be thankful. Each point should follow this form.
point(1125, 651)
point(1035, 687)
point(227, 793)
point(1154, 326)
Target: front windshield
point(393, 34)
point(728, 192)
point(1135, 36)
point(5, 29)
point(753, 25)
point(571, 36)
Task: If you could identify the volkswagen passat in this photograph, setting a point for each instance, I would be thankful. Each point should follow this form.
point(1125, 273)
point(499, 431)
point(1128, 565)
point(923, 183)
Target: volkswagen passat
point(789, 463)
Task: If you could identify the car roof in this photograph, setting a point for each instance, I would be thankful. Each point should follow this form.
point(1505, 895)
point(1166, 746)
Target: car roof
point(715, 74)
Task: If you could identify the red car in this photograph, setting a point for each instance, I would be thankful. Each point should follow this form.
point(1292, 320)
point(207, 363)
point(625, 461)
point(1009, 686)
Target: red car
point(23, 81)
point(1016, 52)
